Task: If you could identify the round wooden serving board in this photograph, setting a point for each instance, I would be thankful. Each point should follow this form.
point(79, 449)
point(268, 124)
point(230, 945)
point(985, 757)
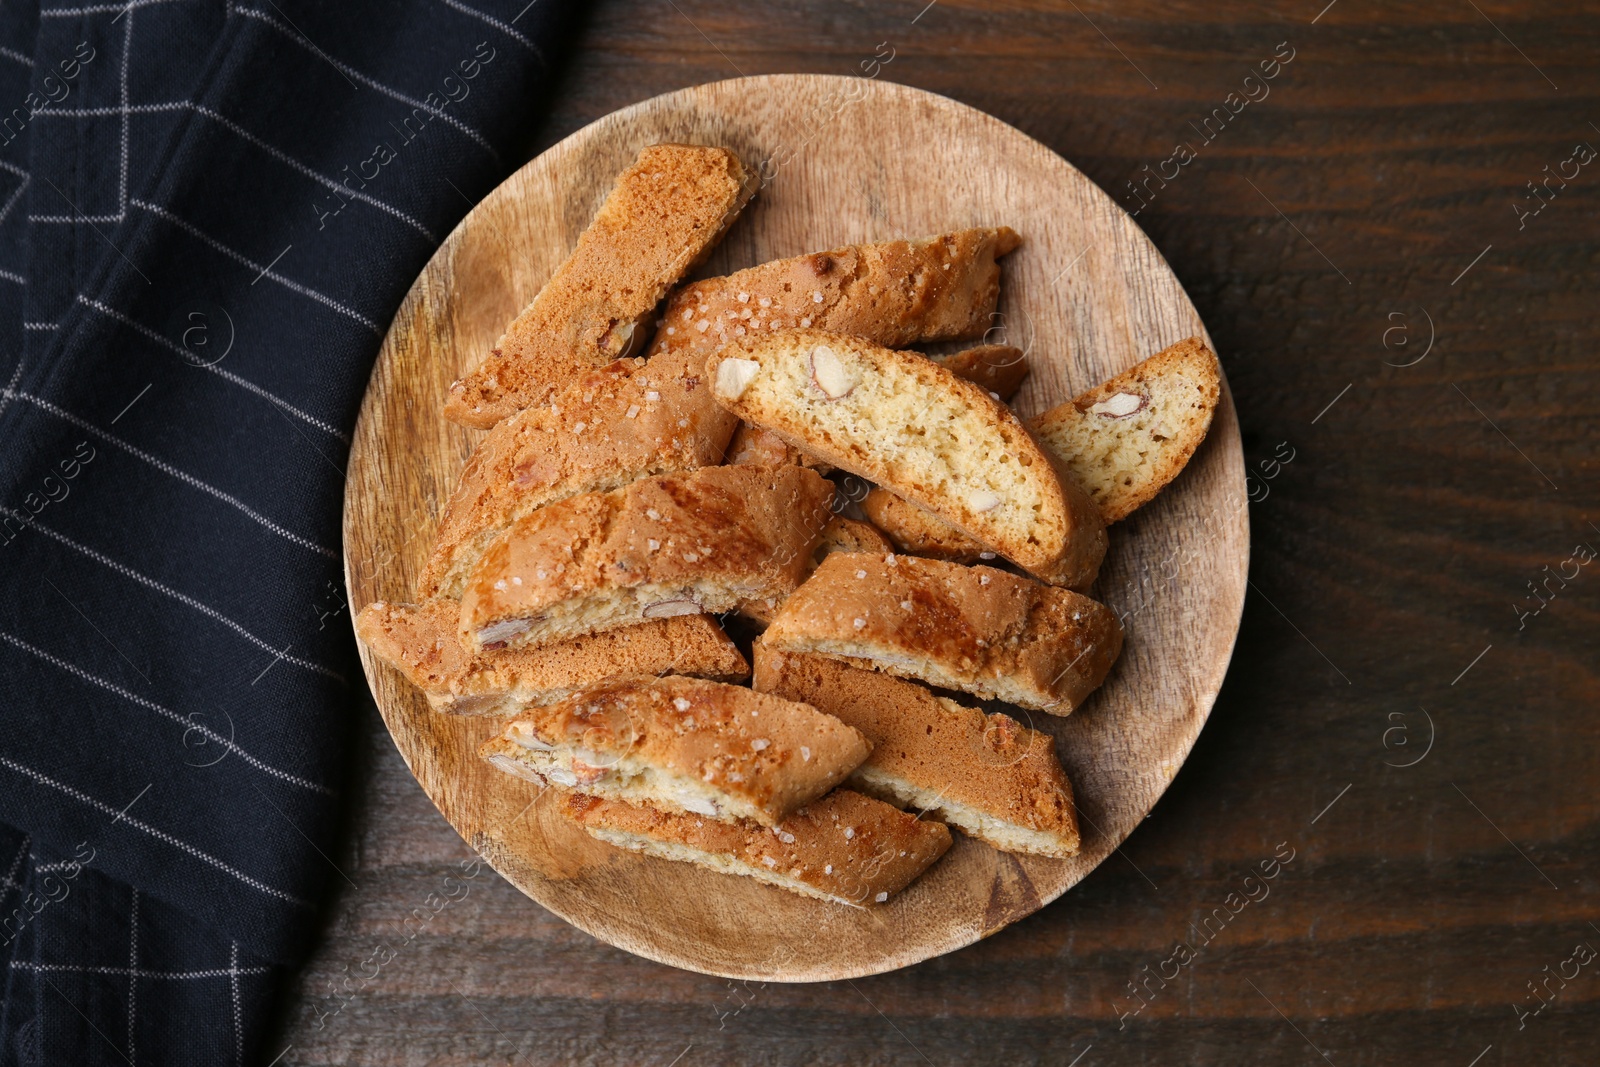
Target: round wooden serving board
point(1087, 295)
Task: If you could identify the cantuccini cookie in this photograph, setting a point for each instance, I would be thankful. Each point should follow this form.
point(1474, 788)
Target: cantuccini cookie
point(1126, 439)
point(612, 426)
point(848, 535)
point(420, 640)
point(977, 629)
point(678, 544)
point(998, 369)
point(683, 744)
point(845, 848)
point(892, 292)
point(902, 421)
point(755, 446)
point(1122, 442)
point(665, 214)
point(987, 775)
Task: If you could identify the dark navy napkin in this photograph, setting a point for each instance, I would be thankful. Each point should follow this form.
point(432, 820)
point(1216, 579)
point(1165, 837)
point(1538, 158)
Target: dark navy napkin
point(209, 210)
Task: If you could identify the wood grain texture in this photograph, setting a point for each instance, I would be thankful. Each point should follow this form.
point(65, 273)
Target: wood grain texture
point(1087, 296)
point(1395, 543)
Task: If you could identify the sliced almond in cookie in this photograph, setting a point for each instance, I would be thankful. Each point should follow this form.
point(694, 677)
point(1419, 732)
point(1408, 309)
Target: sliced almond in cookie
point(977, 629)
point(420, 641)
point(998, 369)
point(1126, 439)
point(988, 775)
point(913, 427)
point(665, 214)
point(683, 744)
point(845, 848)
point(677, 544)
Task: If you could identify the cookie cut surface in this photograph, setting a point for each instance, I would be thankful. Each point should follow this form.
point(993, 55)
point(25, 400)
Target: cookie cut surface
point(902, 421)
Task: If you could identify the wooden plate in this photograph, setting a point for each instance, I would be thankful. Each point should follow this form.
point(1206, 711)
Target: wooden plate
point(1087, 294)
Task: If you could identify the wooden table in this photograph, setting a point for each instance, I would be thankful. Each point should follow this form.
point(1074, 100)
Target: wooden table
point(1406, 497)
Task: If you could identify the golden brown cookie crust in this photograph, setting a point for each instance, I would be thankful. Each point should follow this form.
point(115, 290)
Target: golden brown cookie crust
point(997, 369)
point(895, 293)
point(422, 643)
point(977, 629)
point(845, 848)
point(681, 743)
point(625, 421)
point(918, 530)
point(988, 775)
point(675, 544)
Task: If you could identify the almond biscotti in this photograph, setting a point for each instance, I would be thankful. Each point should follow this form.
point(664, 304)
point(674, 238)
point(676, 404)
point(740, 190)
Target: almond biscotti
point(665, 214)
point(1126, 439)
point(685, 745)
point(988, 775)
point(1123, 442)
point(420, 641)
point(845, 848)
point(676, 544)
point(893, 292)
point(913, 427)
point(998, 369)
point(977, 629)
point(613, 425)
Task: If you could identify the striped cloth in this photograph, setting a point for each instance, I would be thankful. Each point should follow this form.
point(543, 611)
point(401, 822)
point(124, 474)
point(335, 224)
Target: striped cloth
point(209, 210)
